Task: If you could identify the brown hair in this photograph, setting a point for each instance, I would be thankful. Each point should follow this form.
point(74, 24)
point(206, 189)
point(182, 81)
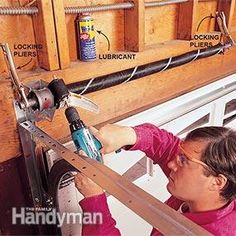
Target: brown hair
point(219, 155)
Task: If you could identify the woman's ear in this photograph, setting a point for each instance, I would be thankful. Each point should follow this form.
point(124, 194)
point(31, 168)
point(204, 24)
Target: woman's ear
point(218, 183)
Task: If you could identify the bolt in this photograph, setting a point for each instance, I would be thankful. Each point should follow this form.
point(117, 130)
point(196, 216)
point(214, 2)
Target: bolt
point(36, 199)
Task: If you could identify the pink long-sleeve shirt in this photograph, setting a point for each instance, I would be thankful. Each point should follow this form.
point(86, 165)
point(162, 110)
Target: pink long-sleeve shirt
point(161, 146)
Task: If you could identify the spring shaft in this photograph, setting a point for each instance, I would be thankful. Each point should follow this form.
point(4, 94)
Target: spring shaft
point(18, 10)
point(117, 6)
point(163, 3)
point(76, 10)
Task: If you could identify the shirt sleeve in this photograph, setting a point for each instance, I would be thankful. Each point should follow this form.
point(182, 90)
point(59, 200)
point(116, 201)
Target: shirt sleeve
point(105, 224)
point(158, 144)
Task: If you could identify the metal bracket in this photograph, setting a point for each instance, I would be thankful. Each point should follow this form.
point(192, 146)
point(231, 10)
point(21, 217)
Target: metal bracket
point(38, 194)
point(156, 213)
point(28, 147)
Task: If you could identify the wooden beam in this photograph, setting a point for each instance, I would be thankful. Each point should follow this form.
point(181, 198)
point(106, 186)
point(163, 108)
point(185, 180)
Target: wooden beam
point(228, 7)
point(61, 33)
point(134, 27)
point(103, 67)
point(44, 30)
point(187, 21)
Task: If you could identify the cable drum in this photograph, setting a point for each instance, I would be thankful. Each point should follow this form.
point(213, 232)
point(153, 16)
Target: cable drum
point(61, 175)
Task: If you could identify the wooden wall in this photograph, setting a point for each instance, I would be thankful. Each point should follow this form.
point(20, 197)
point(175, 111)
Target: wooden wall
point(154, 33)
point(13, 30)
point(114, 30)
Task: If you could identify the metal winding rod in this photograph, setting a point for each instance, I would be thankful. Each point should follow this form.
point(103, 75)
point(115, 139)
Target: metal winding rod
point(221, 20)
point(20, 88)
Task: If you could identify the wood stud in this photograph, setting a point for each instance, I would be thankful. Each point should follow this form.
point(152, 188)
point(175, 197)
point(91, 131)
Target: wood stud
point(187, 25)
point(134, 27)
point(44, 31)
point(61, 33)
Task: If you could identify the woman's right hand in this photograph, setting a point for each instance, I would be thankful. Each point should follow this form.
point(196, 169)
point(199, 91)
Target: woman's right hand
point(113, 137)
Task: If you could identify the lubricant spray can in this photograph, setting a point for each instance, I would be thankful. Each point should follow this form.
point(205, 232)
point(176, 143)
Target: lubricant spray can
point(81, 135)
point(86, 37)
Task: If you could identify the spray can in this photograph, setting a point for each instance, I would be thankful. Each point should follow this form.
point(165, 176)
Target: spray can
point(82, 137)
point(86, 37)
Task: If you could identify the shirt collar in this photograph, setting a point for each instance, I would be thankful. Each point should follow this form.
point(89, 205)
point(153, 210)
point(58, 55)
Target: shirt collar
point(208, 217)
